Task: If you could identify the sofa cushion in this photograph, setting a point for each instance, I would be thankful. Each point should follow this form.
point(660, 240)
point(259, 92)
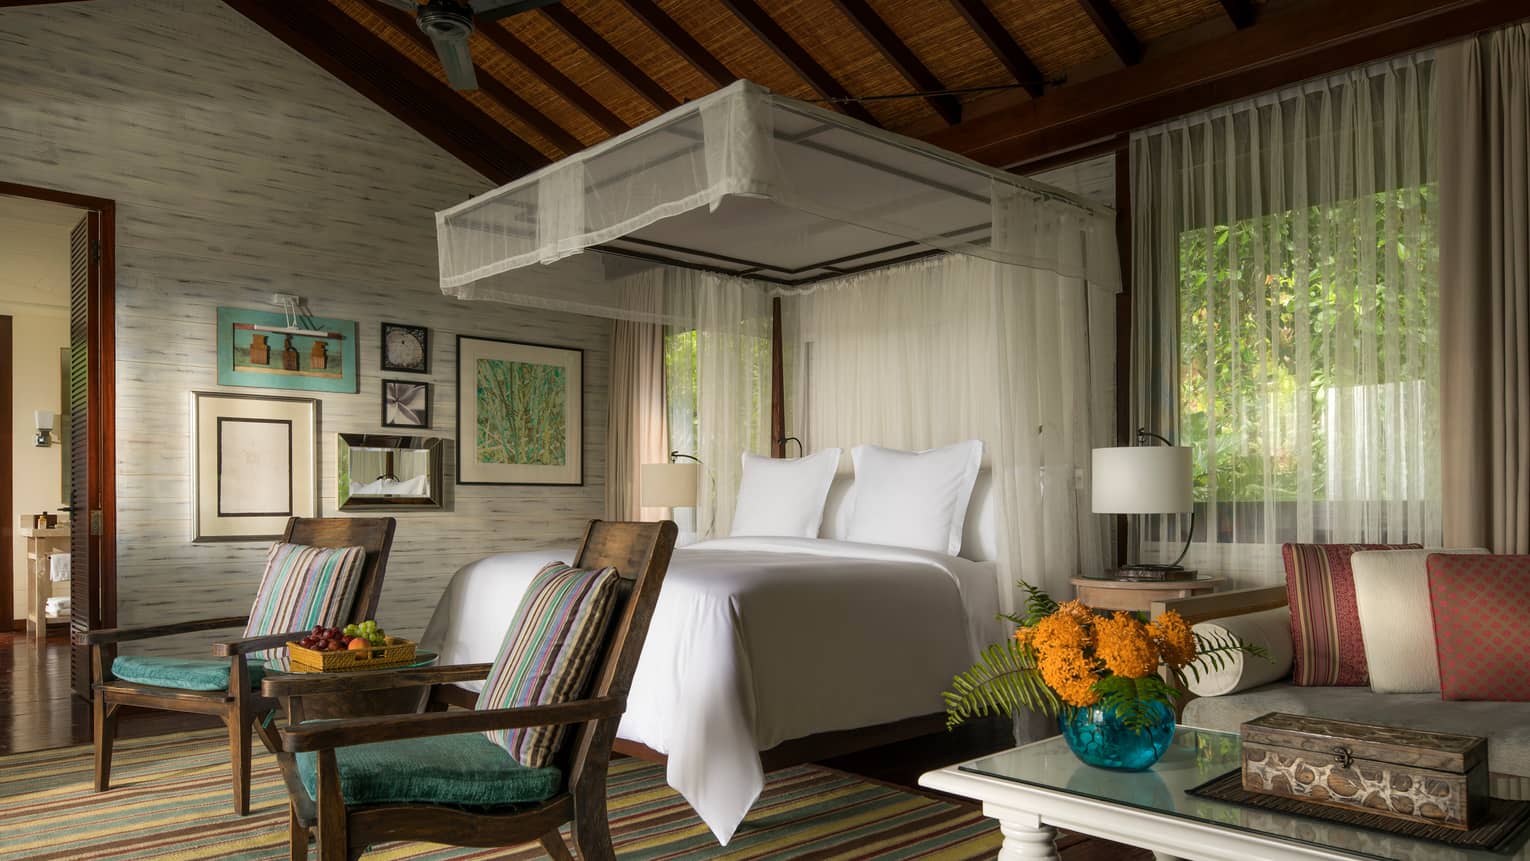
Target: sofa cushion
point(1236, 671)
point(186, 674)
point(1482, 625)
point(1392, 600)
point(464, 770)
point(1325, 628)
point(1506, 725)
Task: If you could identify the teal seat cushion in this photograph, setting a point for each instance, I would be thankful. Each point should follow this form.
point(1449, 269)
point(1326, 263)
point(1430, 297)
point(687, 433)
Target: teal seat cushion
point(464, 770)
point(187, 674)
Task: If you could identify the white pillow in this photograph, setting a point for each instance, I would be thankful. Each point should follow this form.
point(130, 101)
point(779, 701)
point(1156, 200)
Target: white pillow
point(784, 498)
point(1239, 672)
point(913, 499)
point(1396, 623)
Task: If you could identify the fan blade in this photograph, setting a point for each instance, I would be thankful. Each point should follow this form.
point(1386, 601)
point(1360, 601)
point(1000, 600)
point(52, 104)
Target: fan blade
point(457, 60)
point(493, 10)
point(409, 6)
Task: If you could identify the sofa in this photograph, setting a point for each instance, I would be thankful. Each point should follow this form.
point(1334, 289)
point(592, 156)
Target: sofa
point(1249, 687)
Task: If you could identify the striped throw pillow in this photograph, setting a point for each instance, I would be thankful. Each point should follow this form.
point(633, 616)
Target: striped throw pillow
point(303, 587)
point(1328, 648)
point(549, 652)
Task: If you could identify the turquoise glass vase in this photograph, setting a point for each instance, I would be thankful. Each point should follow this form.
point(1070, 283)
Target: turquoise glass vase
point(1097, 737)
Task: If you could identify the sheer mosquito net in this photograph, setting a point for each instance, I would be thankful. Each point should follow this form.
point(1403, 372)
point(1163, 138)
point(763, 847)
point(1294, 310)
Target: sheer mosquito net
point(750, 184)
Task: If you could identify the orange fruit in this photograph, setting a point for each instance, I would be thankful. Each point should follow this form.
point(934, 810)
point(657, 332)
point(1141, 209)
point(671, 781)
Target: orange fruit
point(359, 645)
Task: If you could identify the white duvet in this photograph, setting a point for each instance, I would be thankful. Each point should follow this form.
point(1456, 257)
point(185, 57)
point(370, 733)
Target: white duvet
point(756, 641)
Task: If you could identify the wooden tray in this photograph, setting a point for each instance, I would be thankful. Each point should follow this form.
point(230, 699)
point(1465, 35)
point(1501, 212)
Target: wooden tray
point(306, 660)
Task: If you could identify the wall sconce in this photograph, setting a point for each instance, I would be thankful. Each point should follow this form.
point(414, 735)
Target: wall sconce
point(44, 422)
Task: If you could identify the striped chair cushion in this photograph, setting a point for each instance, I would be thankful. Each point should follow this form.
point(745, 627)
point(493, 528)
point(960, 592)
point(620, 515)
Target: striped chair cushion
point(303, 587)
point(549, 652)
point(1328, 649)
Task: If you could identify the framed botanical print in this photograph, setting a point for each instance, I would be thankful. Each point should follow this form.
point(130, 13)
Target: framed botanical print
point(266, 350)
point(254, 464)
point(520, 413)
point(405, 404)
point(405, 348)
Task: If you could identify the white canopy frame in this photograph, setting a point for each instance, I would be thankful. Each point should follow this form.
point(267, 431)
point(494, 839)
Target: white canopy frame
point(744, 210)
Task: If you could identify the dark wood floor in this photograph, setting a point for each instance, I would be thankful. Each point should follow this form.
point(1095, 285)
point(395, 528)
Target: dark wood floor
point(38, 712)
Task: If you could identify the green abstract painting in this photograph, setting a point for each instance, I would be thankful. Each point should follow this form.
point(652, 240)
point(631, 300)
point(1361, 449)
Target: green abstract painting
point(522, 413)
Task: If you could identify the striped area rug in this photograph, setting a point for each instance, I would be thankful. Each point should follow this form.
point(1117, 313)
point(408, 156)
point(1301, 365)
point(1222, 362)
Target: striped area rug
point(170, 800)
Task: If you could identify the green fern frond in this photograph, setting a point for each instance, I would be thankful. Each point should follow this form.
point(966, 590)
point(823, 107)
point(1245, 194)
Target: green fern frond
point(1131, 699)
point(1038, 604)
point(1004, 681)
point(1215, 649)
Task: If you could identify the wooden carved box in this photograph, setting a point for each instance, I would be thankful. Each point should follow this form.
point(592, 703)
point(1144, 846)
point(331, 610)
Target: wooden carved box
point(1433, 777)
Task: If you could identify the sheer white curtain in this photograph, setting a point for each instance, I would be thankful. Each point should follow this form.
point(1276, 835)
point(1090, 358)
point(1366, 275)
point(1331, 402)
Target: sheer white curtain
point(637, 432)
point(954, 348)
point(1285, 318)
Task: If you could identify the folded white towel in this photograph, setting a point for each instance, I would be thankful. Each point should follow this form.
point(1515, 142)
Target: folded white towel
point(56, 606)
point(58, 566)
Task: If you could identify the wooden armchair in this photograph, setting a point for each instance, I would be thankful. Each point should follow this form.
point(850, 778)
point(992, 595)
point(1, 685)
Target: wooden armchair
point(640, 552)
point(241, 706)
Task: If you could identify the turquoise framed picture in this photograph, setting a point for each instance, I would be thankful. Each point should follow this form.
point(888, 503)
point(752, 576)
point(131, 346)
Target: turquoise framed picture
point(266, 350)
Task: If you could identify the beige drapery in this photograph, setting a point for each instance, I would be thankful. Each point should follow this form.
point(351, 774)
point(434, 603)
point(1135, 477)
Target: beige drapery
point(1485, 290)
point(636, 433)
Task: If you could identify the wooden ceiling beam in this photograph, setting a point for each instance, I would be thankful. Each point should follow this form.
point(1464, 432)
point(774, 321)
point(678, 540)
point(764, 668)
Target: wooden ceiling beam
point(1242, 12)
point(555, 80)
point(681, 40)
point(1003, 45)
point(797, 58)
point(902, 57)
point(1300, 42)
point(7, 3)
point(596, 46)
point(1110, 24)
point(487, 84)
point(363, 61)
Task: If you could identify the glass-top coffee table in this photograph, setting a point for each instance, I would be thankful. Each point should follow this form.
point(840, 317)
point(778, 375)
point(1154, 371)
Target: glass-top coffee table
point(1035, 789)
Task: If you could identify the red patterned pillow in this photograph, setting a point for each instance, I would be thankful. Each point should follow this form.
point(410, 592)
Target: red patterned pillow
point(1325, 626)
point(1481, 610)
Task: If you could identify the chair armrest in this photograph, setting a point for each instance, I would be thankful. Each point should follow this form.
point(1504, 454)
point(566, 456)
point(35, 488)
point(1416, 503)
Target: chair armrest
point(1217, 605)
point(246, 645)
point(324, 735)
point(313, 684)
point(107, 636)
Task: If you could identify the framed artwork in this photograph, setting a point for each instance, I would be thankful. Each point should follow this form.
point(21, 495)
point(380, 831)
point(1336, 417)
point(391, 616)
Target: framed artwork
point(254, 464)
point(261, 349)
point(405, 348)
point(405, 404)
point(520, 413)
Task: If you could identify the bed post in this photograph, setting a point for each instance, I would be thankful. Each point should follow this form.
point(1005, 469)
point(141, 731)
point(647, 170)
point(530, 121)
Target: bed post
point(777, 383)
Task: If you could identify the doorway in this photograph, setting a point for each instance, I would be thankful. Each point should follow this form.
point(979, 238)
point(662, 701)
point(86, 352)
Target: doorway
point(80, 289)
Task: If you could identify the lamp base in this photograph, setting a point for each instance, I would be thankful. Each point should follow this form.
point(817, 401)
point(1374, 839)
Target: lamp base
point(1151, 573)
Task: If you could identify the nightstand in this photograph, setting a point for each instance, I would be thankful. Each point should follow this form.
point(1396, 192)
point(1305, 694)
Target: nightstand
point(1138, 595)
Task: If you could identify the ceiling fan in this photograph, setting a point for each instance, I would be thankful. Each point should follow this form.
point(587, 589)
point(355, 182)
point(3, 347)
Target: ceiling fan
point(448, 23)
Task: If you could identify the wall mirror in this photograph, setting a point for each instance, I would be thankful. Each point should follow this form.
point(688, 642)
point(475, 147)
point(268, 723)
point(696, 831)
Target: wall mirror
point(388, 471)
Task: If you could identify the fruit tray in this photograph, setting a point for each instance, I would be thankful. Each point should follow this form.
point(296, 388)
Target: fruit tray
point(306, 660)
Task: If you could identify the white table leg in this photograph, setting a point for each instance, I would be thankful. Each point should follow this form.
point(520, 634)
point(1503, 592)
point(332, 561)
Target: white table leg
point(1025, 838)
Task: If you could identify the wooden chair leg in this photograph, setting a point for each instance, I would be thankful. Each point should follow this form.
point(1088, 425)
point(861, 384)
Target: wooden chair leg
point(265, 729)
point(556, 849)
point(104, 722)
point(592, 827)
point(334, 842)
point(240, 732)
point(297, 836)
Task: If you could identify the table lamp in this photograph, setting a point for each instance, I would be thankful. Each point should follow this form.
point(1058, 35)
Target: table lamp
point(1146, 479)
point(670, 485)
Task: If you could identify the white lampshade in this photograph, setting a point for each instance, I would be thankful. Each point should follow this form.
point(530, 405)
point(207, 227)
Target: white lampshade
point(669, 485)
point(44, 419)
point(1142, 479)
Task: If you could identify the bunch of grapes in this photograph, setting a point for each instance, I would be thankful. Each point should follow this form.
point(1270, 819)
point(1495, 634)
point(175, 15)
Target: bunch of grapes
point(322, 639)
point(368, 631)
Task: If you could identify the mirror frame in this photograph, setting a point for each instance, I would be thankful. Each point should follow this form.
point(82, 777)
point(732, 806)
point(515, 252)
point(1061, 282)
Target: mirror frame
point(433, 446)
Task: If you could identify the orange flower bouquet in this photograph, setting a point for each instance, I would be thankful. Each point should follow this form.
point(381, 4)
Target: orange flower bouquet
point(1066, 657)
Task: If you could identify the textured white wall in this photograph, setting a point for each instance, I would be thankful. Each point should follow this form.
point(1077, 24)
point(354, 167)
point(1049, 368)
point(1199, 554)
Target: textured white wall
point(241, 169)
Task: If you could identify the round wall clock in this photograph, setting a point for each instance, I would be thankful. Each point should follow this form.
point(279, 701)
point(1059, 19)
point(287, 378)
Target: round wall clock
point(405, 348)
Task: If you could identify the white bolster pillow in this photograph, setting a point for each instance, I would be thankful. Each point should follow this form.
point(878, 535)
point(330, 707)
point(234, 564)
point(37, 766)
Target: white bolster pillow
point(1268, 628)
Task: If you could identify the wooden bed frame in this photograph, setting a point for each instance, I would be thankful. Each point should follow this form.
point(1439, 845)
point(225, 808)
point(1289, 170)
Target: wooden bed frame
point(811, 748)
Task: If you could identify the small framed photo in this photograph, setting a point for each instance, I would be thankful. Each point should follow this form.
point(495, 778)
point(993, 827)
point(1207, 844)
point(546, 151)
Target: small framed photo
point(405, 348)
point(254, 464)
point(405, 404)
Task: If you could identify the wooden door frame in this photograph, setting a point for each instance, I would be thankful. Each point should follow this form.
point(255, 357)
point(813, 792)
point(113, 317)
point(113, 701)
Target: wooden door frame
point(7, 468)
point(103, 398)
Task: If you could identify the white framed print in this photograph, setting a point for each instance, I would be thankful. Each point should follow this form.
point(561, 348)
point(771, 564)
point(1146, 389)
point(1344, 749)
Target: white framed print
point(255, 463)
point(520, 413)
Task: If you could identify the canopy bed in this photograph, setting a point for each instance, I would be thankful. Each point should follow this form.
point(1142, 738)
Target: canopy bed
point(856, 287)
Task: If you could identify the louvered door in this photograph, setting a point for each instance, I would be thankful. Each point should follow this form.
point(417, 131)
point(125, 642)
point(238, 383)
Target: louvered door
point(85, 458)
